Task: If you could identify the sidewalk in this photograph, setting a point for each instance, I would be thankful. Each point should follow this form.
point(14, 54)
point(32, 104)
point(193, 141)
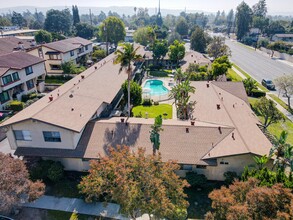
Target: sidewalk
point(110, 210)
point(279, 107)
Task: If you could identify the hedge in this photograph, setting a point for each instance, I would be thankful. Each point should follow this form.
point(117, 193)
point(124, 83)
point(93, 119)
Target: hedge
point(258, 93)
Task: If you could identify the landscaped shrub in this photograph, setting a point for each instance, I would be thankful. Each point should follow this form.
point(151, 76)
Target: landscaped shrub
point(16, 106)
point(56, 172)
point(139, 115)
point(258, 93)
point(147, 102)
point(230, 176)
point(156, 103)
point(135, 92)
point(196, 180)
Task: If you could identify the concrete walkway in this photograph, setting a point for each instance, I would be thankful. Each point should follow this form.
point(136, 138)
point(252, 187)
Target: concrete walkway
point(279, 107)
point(110, 210)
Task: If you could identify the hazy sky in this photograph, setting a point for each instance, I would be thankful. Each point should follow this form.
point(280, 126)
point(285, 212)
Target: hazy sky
point(205, 5)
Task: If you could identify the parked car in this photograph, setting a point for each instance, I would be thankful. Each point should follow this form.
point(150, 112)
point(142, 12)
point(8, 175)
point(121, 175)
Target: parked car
point(268, 84)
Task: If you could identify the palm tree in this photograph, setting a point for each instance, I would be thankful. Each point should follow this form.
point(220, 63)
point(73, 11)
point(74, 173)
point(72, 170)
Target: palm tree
point(125, 58)
point(261, 161)
point(283, 152)
point(155, 133)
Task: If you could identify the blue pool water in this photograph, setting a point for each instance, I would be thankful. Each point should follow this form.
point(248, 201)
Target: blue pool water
point(156, 87)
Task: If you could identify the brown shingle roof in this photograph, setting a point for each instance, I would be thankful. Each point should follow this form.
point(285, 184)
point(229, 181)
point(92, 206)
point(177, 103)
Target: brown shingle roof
point(10, 44)
point(68, 44)
point(195, 58)
point(18, 60)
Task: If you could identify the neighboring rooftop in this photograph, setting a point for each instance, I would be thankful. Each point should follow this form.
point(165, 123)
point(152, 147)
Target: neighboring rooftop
point(69, 44)
point(195, 58)
point(17, 60)
point(18, 32)
point(10, 44)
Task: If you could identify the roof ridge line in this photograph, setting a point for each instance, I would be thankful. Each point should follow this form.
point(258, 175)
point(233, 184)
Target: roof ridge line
point(236, 128)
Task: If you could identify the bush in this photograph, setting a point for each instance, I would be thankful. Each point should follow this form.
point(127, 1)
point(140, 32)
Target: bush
point(16, 106)
point(156, 103)
point(139, 115)
point(147, 102)
point(55, 172)
point(230, 177)
point(258, 93)
point(196, 180)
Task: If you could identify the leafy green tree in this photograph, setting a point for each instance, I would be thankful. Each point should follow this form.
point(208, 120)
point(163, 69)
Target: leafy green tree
point(4, 21)
point(198, 40)
point(243, 20)
point(172, 37)
point(275, 27)
point(261, 161)
point(144, 35)
point(75, 15)
point(285, 86)
point(249, 85)
point(176, 52)
point(181, 26)
point(217, 48)
point(18, 20)
point(260, 23)
point(160, 49)
point(43, 36)
point(58, 21)
point(139, 183)
point(84, 30)
point(282, 153)
point(230, 21)
point(260, 8)
point(99, 54)
point(268, 110)
point(135, 92)
point(155, 133)
point(220, 66)
point(112, 30)
point(125, 57)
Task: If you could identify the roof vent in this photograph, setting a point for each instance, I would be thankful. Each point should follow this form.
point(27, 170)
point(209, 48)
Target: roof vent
point(208, 85)
point(220, 129)
point(71, 95)
point(218, 106)
point(187, 130)
point(82, 76)
point(51, 98)
point(72, 109)
point(96, 67)
point(233, 136)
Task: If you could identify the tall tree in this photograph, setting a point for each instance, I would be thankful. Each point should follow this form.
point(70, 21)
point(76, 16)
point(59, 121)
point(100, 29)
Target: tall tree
point(220, 66)
point(198, 40)
point(217, 48)
point(15, 184)
point(267, 109)
point(139, 183)
point(230, 21)
point(75, 15)
point(84, 30)
point(181, 26)
point(155, 133)
point(177, 52)
point(260, 8)
point(5, 21)
point(243, 20)
point(274, 27)
point(17, 19)
point(102, 16)
point(160, 49)
point(58, 21)
point(285, 86)
point(144, 35)
point(125, 58)
point(112, 30)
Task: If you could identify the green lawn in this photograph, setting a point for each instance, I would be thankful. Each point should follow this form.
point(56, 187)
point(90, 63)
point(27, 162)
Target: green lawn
point(153, 111)
point(276, 129)
point(234, 76)
point(247, 75)
point(280, 102)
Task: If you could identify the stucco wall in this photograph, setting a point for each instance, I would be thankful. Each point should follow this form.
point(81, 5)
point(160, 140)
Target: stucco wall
point(69, 139)
point(72, 164)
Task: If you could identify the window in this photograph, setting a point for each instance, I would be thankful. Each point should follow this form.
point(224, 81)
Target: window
point(86, 47)
point(224, 162)
point(22, 135)
point(201, 166)
point(72, 53)
point(55, 67)
point(53, 57)
point(15, 76)
point(4, 97)
point(29, 70)
point(6, 79)
point(52, 136)
point(30, 84)
point(187, 167)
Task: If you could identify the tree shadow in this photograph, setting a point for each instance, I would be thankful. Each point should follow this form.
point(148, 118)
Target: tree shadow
point(123, 134)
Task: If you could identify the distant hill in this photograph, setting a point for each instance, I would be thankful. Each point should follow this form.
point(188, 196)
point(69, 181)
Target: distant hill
point(95, 10)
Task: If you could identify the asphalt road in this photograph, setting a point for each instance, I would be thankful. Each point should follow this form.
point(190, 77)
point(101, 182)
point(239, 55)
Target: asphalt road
point(258, 65)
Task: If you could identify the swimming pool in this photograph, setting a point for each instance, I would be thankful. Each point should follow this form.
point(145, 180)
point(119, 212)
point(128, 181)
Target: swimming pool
point(155, 87)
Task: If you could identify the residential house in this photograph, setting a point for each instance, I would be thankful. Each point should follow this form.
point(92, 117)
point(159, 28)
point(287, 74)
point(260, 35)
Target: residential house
point(20, 73)
point(12, 44)
point(58, 52)
point(283, 37)
point(129, 36)
point(69, 125)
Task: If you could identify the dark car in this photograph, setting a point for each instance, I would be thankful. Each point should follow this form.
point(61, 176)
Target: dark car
point(268, 84)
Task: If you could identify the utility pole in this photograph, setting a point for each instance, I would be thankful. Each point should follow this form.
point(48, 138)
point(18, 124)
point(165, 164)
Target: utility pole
point(91, 17)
